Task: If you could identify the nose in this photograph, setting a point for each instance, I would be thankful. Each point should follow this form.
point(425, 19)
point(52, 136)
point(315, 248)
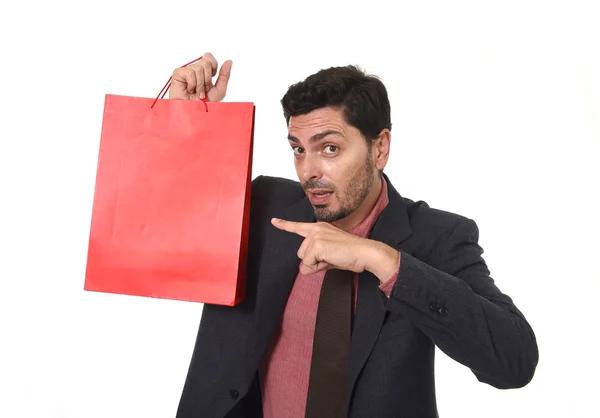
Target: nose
point(309, 168)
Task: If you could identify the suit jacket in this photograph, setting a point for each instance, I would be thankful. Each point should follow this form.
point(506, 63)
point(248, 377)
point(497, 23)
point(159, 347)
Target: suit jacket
point(443, 296)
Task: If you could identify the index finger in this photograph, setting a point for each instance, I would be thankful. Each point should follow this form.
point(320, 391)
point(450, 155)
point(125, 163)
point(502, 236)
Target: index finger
point(213, 62)
point(300, 228)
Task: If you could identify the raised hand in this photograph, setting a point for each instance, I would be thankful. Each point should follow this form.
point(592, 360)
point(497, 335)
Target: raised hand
point(195, 82)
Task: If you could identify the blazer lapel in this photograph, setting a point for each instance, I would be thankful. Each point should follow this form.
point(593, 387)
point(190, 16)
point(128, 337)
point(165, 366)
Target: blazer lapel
point(392, 227)
point(279, 268)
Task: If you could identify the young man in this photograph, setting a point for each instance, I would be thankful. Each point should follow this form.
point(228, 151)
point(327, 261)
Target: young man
point(350, 286)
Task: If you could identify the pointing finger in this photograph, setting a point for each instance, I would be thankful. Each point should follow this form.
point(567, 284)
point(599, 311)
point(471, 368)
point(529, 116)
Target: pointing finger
point(300, 228)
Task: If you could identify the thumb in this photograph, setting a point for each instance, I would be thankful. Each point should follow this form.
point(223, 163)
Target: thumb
point(223, 78)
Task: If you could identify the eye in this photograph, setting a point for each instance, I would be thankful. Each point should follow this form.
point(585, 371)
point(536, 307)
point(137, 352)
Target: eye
point(298, 150)
point(331, 149)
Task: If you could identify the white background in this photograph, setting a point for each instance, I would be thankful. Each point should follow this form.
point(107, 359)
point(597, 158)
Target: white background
point(496, 113)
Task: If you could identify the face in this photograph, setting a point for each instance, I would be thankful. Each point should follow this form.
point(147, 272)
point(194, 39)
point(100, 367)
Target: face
point(334, 163)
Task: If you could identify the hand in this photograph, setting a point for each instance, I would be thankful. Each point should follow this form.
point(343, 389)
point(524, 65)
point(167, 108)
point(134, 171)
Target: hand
point(326, 246)
point(195, 81)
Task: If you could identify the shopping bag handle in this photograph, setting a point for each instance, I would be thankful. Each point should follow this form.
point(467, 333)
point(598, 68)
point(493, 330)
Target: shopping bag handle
point(164, 90)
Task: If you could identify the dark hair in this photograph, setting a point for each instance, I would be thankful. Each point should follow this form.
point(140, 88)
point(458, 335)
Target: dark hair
point(362, 98)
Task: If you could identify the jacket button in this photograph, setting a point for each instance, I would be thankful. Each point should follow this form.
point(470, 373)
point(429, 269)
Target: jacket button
point(434, 307)
point(233, 394)
point(443, 311)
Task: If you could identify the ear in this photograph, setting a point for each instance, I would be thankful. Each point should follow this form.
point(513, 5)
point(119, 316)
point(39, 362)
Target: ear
point(381, 148)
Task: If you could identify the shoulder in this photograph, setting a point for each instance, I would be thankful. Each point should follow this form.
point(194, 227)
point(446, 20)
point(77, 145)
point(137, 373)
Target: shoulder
point(424, 217)
point(436, 231)
point(270, 194)
point(421, 216)
point(433, 227)
point(268, 190)
point(276, 182)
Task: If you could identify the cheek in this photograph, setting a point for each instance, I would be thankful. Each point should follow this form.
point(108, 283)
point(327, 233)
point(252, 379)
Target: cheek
point(340, 169)
point(323, 165)
point(299, 166)
point(338, 175)
point(330, 166)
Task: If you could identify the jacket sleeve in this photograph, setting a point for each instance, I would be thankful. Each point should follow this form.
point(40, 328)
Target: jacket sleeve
point(461, 310)
point(387, 286)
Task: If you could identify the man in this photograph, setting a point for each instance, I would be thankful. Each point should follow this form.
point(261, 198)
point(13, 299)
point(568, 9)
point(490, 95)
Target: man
point(350, 286)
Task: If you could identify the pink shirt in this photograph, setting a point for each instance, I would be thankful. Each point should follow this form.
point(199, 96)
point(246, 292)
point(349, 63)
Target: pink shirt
point(285, 368)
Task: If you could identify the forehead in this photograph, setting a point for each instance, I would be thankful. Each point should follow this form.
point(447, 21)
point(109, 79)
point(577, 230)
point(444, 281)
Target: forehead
point(316, 121)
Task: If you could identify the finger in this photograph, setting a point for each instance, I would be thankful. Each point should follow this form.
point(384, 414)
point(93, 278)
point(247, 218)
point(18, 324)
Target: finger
point(182, 81)
point(300, 228)
point(200, 89)
point(208, 74)
point(192, 81)
point(308, 270)
point(210, 58)
point(323, 266)
point(304, 247)
point(223, 79)
point(311, 258)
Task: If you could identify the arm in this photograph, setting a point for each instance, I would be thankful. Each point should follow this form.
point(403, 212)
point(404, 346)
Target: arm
point(464, 313)
point(458, 306)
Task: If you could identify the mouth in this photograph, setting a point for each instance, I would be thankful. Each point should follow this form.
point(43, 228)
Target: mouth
point(319, 196)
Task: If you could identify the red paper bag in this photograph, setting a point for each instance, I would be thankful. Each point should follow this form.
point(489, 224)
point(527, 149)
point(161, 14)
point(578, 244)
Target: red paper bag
point(171, 206)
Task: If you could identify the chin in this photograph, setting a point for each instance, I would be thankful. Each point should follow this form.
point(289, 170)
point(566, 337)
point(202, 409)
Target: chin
point(323, 214)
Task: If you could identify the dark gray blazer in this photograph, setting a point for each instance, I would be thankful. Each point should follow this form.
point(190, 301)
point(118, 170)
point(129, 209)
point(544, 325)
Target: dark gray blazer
point(443, 296)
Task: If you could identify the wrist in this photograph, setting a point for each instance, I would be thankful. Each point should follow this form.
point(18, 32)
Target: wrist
point(382, 261)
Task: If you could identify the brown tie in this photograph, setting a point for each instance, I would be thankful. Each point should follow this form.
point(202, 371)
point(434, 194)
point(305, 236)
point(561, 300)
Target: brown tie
point(327, 395)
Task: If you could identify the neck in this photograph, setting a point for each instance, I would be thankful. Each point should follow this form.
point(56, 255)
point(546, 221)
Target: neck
point(364, 209)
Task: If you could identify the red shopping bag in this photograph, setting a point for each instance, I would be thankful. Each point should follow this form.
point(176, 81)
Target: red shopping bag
point(171, 207)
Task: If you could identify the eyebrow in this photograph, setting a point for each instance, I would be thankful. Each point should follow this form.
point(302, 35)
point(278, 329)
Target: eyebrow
point(317, 137)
